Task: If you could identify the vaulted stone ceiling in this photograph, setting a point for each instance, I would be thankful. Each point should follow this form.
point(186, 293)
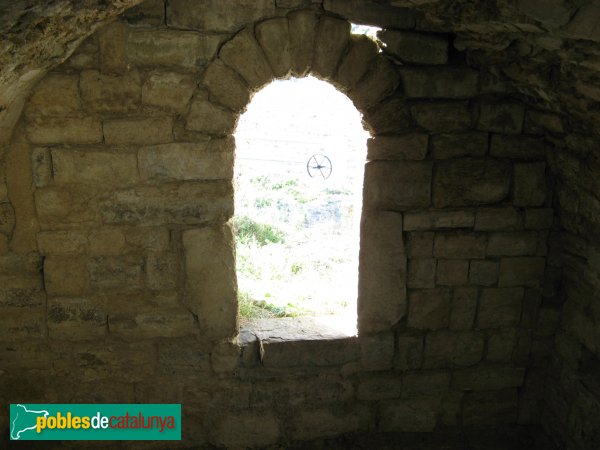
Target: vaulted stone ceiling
point(548, 48)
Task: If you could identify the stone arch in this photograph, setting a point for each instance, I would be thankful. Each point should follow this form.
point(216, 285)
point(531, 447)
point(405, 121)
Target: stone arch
point(306, 43)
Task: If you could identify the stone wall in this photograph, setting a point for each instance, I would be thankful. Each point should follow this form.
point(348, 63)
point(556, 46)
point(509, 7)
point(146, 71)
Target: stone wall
point(116, 250)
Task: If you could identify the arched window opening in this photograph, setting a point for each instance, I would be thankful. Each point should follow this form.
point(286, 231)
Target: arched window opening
point(300, 153)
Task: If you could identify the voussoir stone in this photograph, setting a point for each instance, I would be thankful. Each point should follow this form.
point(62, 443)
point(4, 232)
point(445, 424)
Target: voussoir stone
point(331, 41)
point(357, 60)
point(273, 36)
point(245, 56)
point(225, 86)
point(302, 32)
point(380, 81)
point(209, 118)
point(470, 181)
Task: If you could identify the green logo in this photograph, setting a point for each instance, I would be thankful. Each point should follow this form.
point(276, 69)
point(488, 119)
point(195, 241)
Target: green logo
point(83, 422)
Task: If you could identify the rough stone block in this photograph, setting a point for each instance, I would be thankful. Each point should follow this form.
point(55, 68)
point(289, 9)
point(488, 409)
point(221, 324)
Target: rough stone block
point(540, 122)
point(302, 32)
point(55, 95)
point(18, 323)
point(459, 245)
point(530, 184)
point(169, 90)
point(281, 353)
point(490, 408)
point(539, 218)
point(415, 48)
point(152, 130)
point(325, 422)
point(517, 147)
point(446, 146)
point(217, 15)
point(397, 185)
point(246, 57)
point(382, 268)
point(433, 82)
point(171, 48)
point(404, 147)
point(483, 273)
point(389, 117)
point(62, 242)
point(442, 117)
point(501, 117)
point(409, 352)
point(425, 384)
point(176, 357)
point(419, 244)
point(120, 272)
point(225, 356)
point(372, 13)
point(453, 349)
point(42, 169)
point(421, 273)
point(150, 13)
point(500, 307)
point(209, 118)
point(431, 220)
point(497, 219)
point(429, 309)
point(452, 272)
point(239, 429)
point(501, 345)
point(106, 241)
point(521, 271)
point(143, 322)
point(380, 388)
point(380, 81)
point(86, 56)
point(356, 61)
point(148, 238)
point(512, 244)
point(112, 41)
point(410, 415)
point(15, 264)
point(377, 351)
point(82, 130)
point(211, 291)
point(115, 169)
point(331, 41)
point(273, 36)
point(65, 275)
point(162, 271)
point(464, 307)
point(59, 206)
point(470, 181)
point(76, 318)
point(190, 203)
point(212, 160)
point(488, 378)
